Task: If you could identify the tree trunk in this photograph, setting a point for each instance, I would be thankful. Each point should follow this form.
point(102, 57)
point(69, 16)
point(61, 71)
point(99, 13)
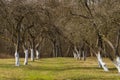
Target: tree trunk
point(26, 57)
point(84, 55)
point(68, 51)
point(77, 52)
point(79, 55)
point(37, 54)
point(54, 49)
point(59, 48)
point(101, 63)
point(32, 49)
point(100, 46)
point(37, 50)
point(75, 55)
point(17, 46)
point(117, 64)
point(17, 63)
point(32, 54)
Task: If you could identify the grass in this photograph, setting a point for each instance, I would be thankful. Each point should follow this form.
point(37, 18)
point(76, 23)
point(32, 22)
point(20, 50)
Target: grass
point(57, 69)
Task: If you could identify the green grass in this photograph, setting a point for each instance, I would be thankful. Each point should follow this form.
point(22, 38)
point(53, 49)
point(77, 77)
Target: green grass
point(57, 69)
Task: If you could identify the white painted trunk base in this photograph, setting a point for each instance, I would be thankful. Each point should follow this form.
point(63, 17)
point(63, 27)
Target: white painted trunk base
point(78, 56)
point(17, 63)
point(117, 64)
point(101, 63)
point(26, 57)
point(37, 54)
point(75, 55)
point(32, 55)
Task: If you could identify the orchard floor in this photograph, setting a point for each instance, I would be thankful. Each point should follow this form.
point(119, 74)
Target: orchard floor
point(57, 69)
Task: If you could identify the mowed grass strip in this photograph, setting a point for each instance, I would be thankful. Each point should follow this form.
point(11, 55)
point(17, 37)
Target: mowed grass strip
point(57, 69)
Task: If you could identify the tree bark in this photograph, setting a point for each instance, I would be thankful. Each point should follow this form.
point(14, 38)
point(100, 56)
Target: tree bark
point(17, 46)
point(37, 50)
point(84, 55)
point(77, 52)
point(117, 62)
point(32, 49)
point(32, 54)
point(101, 63)
point(37, 54)
point(100, 47)
point(17, 63)
point(26, 57)
point(75, 55)
point(54, 49)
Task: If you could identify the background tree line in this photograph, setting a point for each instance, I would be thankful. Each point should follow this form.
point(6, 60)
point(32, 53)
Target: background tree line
point(59, 28)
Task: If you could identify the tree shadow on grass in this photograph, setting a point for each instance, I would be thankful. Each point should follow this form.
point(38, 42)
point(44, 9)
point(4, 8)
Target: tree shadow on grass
point(7, 66)
point(112, 69)
point(91, 78)
point(40, 62)
point(10, 66)
point(44, 68)
point(12, 78)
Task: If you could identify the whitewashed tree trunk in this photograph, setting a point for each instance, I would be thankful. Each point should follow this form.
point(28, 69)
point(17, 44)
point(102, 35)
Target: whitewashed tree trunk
point(75, 55)
point(101, 62)
point(118, 60)
point(17, 63)
point(26, 57)
point(117, 64)
point(78, 55)
point(37, 54)
point(32, 55)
